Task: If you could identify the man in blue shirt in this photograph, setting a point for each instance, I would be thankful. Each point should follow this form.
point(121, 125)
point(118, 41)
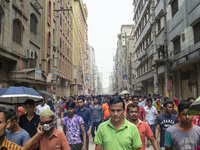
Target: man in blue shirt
point(86, 114)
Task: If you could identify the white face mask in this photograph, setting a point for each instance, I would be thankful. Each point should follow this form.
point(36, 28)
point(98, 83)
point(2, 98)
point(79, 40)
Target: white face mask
point(47, 127)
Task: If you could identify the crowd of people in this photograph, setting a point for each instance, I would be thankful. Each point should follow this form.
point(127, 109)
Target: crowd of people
point(114, 122)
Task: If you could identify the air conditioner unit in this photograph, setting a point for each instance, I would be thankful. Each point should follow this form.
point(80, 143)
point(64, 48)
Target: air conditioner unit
point(30, 54)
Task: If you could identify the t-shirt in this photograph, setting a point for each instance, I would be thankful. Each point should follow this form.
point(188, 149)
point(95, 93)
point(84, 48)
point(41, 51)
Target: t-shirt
point(150, 114)
point(105, 110)
point(179, 139)
point(165, 122)
point(73, 129)
point(127, 137)
point(145, 131)
point(141, 112)
point(19, 138)
point(41, 108)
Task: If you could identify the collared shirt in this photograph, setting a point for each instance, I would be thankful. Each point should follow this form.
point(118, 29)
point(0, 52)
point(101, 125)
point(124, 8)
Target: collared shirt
point(141, 113)
point(150, 115)
point(57, 141)
point(97, 113)
point(145, 131)
point(41, 108)
point(87, 117)
point(29, 126)
point(8, 145)
point(127, 137)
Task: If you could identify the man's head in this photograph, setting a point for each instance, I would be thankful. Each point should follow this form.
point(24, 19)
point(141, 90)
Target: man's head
point(168, 107)
point(133, 112)
point(81, 102)
point(190, 100)
point(149, 102)
point(58, 98)
point(154, 96)
point(29, 106)
point(4, 123)
point(43, 102)
point(135, 99)
point(89, 101)
point(12, 119)
point(96, 100)
point(126, 97)
point(130, 96)
point(70, 106)
point(182, 110)
point(47, 121)
point(166, 99)
point(148, 96)
point(116, 108)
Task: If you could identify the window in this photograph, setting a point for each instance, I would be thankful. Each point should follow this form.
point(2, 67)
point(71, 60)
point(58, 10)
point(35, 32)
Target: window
point(61, 21)
point(174, 6)
point(196, 33)
point(60, 43)
point(17, 31)
point(33, 24)
point(177, 46)
point(49, 43)
point(49, 66)
point(159, 25)
point(49, 13)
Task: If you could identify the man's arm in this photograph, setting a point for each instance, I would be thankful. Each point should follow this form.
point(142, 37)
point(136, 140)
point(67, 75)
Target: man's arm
point(102, 115)
point(90, 123)
point(84, 135)
point(98, 147)
point(64, 129)
point(157, 133)
point(154, 143)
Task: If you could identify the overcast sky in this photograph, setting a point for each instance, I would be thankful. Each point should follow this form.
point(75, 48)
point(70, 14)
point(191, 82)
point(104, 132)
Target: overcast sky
point(105, 18)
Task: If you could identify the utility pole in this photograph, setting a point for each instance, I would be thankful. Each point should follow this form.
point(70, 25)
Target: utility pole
point(155, 53)
point(165, 48)
point(56, 41)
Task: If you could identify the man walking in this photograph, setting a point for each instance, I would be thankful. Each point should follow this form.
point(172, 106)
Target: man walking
point(143, 127)
point(86, 114)
point(135, 100)
point(183, 135)
point(42, 107)
point(97, 115)
point(117, 133)
point(163, 121)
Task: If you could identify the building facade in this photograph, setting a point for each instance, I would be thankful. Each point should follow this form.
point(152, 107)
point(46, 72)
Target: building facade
point(20, 44)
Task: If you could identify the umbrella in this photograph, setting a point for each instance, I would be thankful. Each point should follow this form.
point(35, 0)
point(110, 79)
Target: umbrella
point(18, 95)
point(45, 94)
point(124, 92)
point(195, 108)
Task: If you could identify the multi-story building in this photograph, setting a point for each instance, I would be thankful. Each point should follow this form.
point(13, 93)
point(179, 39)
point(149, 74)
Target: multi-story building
point(123, 58)
point(57, 45)
point(20, 44)
point(79, 47)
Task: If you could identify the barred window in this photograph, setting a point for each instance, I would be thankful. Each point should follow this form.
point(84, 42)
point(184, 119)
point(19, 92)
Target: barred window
point(196, 33)
point(17, 31)
point(177, 46)
point(174, 6)
point(33, 24)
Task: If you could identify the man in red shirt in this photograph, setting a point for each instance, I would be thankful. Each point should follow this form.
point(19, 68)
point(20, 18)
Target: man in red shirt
point(143, 127)
point(135, 100)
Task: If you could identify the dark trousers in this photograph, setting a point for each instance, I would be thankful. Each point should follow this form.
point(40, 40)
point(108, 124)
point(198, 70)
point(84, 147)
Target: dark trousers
point(95, 126)
point(76, 146)
point(87, 141)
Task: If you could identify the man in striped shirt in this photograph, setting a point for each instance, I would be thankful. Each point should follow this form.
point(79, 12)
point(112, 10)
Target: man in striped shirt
point(5, 144)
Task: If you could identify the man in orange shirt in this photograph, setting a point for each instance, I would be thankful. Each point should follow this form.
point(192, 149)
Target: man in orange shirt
point(106, 108)
point(47, 136)
point(143, 127)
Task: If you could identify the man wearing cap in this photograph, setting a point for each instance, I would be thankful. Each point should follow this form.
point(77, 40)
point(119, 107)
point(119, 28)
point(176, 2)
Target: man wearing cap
point(47, 136)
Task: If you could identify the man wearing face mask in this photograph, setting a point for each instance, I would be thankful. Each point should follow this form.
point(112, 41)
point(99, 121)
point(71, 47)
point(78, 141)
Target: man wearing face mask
point(47, 136)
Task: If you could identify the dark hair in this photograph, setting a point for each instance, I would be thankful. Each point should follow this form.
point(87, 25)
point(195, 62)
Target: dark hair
point(81, 98)
point(183, 105)
point(133, 106)
point(29, 102)
point(135, 96)
point(12, 114)
point(149, 99)
point(168, 102)
point(58, 97)
point(154, 95)
point(109, 98)
point(95, 97)
point(5, 112)
point(140, 96)
point(70, 104)
point(149, 95)
point(166, 98)
point(189, 98)
point(89, 98)
point(116, 100)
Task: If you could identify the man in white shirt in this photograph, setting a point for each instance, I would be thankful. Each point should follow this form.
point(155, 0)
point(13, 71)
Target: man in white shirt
point(150, 116)
point(42, 107)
